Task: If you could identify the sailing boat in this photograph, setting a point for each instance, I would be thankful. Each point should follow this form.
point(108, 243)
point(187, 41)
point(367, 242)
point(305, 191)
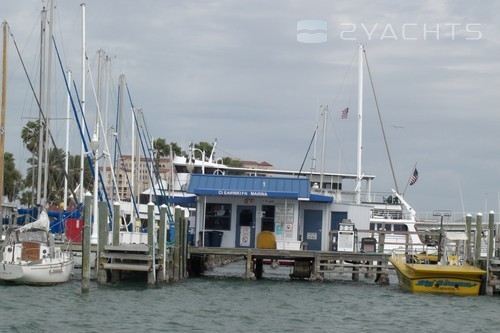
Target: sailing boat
point(29, 255)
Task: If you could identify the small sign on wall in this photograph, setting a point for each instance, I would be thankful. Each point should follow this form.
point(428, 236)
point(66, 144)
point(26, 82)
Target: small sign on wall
point(312, 236)
point(245, 236)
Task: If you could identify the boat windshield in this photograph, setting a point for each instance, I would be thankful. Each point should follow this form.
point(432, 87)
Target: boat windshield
point(33, 236)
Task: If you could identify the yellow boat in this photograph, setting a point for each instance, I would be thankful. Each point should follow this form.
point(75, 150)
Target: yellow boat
point(424, 274)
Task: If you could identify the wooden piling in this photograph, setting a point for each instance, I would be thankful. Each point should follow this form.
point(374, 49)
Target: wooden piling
point(382, 278)
point(102, 275)
point(477, 242)
point(87, 217)
point(115, 275)
point(249, 274)
point(151, 245)
point(162, 249)
point(116, 224)
point(491, 226)
point(177, 242)
point(468, 247)
point(184, 246)
point(491, 234)
point(355, 272)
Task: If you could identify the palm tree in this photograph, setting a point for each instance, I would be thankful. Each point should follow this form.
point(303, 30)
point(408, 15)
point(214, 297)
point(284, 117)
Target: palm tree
point(12, 177)
point(163, 148)
point(203, 146)
point(29, 134)
point(56, 157)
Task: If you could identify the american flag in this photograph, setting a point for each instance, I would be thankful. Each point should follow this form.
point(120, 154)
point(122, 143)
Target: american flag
point(414, 177)
point(343, 113)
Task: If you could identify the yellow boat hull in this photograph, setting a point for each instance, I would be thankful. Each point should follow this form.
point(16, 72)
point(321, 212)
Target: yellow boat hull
point(443, 279)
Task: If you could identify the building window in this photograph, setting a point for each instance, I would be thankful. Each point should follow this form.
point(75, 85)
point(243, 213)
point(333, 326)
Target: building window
point(218, 216)
point(268, 218)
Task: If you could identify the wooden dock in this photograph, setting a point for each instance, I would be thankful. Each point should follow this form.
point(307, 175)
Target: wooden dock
point(161, 261)
point(311, 265)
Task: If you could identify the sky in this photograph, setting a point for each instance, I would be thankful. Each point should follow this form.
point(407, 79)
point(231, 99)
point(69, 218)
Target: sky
point(247, 74)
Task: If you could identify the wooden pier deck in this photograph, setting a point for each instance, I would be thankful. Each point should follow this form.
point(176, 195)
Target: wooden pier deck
point(312, 265)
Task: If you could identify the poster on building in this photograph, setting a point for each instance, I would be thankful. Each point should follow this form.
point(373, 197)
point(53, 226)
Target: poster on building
point(289, 230)
point(283, 217)
point(283, 213)
point(278, 229)
point(245, 236)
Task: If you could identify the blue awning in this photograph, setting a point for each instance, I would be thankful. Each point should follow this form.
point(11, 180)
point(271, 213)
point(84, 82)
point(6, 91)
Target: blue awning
point(247, 186)
point(320, 198)
point(182, 200)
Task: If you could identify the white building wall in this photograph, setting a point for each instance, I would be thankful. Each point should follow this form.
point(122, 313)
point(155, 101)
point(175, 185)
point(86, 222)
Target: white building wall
point(287, 236)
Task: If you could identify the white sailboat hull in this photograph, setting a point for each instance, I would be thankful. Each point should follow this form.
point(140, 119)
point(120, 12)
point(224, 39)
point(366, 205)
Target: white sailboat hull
point(44, 272)
point(29, 256)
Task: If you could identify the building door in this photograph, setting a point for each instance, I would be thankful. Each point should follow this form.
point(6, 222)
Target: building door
point(313, 220)
point(245, 226)
point(337, 218)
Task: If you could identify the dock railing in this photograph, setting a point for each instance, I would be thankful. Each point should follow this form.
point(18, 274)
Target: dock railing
point(386, 241)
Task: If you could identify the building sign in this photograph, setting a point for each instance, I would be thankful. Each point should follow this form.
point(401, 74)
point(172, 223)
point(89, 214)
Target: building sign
point(240, 193)
point(245, 234)
point(244, 193)
point(312, 236)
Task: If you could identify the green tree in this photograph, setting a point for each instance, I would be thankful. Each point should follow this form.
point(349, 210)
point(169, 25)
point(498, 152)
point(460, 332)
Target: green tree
point(232, 162)
point(11, 177)
point(55, 182)
point(26, 198)
point(203, 146)
point(163, 148)
point(29, 134)
point(56, 172)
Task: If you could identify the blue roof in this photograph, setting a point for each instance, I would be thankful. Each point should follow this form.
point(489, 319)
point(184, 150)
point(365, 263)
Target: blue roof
point(249, 186)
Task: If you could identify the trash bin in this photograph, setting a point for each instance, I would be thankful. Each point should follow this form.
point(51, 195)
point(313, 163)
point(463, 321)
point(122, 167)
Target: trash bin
point(216, 238)
point(368, 245)
point(206, 239)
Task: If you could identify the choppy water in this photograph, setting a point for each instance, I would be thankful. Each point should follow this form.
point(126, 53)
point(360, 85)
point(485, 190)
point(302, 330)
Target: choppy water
point(223, 302)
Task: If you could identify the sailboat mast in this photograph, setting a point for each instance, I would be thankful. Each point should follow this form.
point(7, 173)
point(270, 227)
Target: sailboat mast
point(360, 125)
point(138, 166)
point(95, 148)
point(325, 116)
point(41, 120)
point(4, 94)
point(66, 157)
point(313, 159)
point(47, 104)
point(83, 99)
point(133, 163)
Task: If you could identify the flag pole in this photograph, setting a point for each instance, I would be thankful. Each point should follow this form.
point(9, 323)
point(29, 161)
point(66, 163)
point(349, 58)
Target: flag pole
point(409, 178)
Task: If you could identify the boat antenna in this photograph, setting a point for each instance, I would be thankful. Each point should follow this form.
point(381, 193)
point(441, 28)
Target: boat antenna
point(381, 122)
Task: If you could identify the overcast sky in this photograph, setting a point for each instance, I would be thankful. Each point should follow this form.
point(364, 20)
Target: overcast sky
point(242, 72)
